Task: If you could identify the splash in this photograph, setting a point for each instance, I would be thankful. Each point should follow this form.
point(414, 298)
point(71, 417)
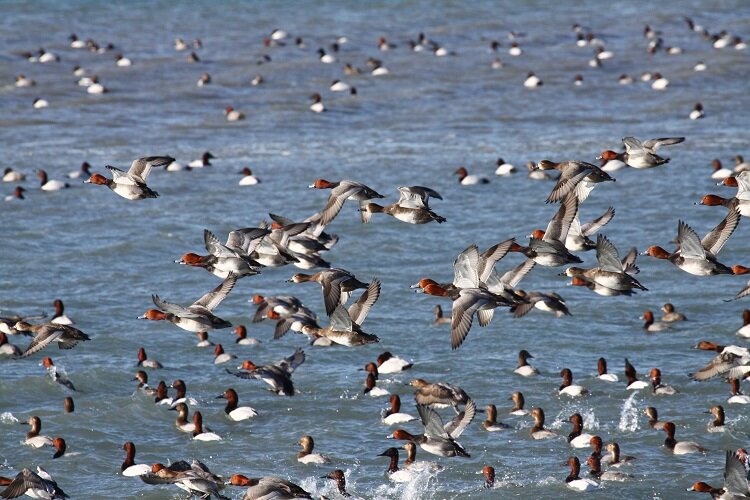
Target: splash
point(8, 418)
point(629, 415)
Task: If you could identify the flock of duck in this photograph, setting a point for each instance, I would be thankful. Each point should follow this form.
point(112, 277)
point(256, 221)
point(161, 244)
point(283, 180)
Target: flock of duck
point(477, 290)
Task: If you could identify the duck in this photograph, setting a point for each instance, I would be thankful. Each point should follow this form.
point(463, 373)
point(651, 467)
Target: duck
point(410, 215)
point(518, 403)
point(317, 106)
point(232, 410)
point(625, 79)
point(515, 50)
point(393, 415)
point(548, 302)
point(195, 478)
point(740, 165)
point(23, 81)
point(45, 184)
point(717, 424)
point(306, 456)
point(489, 476)
point(278, 375)
point(394, 473)
point(439, 394)
point(379, 70)
point(574, 481)
point(203, 161)
point(47, 57)
point(182, 422)
point(162, 397)
point(33, 438)
point(233, 115)
point(503, 168)
point(468, 180)
point(657, 387)
point(735, 481)
point(653, 418)
point(95, 87)
point(180, 396)
point(575, 176)
point(340, 192)
point(84, 172)
point(440, 319)
point(491, 424)
point(388, 363)
point(203, 340)
point(17, 194)
point(601, 367)
point(339, 86)
point(670, 314)
point(60, 318)
point(567, 387)
point(242, 338)
point(719, 172)
point(199, 434)
point(437, 438)
point(129, 468)
point(122, 61)
point(10, 175)
point(372, 389)
point(697, 113)
point(221, 357)
point(326, 58)
point(594, 462)
point(131, 185)
point(7, 348)
point(197, 317)
point(60, 447)
point(578, 239)
point(204, 80)
point(698, 257)
point(532, 81)
point(336, 284)
point(412, 464)
point(641, 154)
point(679, 447)
point(145, 362)
point(524, 368)
point(538, 431)
point(630, 373)
point(33, 484)
point(615, 459)
point(248, 179)
point(737, 397)
point(659, 83)
point(268, 487)
point(142, 378)
point(57, 375)
point(40, 103)
point(338, 476)
point(227, 258)
point(652, 325)
point(66, 336)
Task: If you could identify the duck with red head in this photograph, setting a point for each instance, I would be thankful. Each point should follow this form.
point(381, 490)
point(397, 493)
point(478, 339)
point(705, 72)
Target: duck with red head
point(469, 180)
point(679, 447)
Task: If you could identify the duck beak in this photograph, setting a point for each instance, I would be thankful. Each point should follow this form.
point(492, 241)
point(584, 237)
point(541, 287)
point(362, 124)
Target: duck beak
point(141, 317)
point(220, 396)
point(389, 436)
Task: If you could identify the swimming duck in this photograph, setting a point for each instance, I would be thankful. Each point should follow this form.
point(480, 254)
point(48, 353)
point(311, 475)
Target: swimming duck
point(233, 115)
point(615, 459)
point(518, 402)
point(697, 113)
point(232, 410)
point(388, 363)
point(145, 362)
point(737, 397)
point(577, 438)
point(45, 184)
point(574, 481)
point(504, 168)
point(651, 325)
point(653, 418)
point(657, 387)
point(670, 314)
point(129, 468)
point(601, 367)
point(632, 376)
point(393, 415)
point(33, 438)
point(524, 368)
point(439, 318)
point(467, 180)
point(7, 348)
point(679, 447)
point(222, 357)
point(567, 387)
point(306, 456)
point(538, 431)
point(248, 179)
point(596, 471)
point(491, 424)
point(277, 375)
point(57, 374)
point(203, 161)
point(717, 424)
point(394, 473)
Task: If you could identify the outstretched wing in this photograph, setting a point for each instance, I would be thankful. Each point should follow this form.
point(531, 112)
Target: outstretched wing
point(213, 298)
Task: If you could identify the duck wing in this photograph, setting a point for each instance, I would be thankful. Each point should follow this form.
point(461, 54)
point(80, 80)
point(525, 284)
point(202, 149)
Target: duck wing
point(607, 256)
point(359, 310)
point(141, 167)
point(460, 422)
point(715, 239)
point(558, 227)
point(213, 298)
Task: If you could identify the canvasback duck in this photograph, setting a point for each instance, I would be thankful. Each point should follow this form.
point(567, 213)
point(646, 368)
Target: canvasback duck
point(491, 424)
point(248, 179)
point(657, 387)
point(145, 362)
point(567, 387)
point(60, 447)
point(394, 473)
point(538, 431)
point(60, 317)
point(625, 79)
point(225, 259)
point(603, 54)
point(384, 45)
point(306, 456)
point(578, 80)
point(317, 105)
point(737, 397)
point(344, 328)
point(601, 367)
point(47, 57)
point(532, 81)
point(45, 184)
point(95, 86)
point(129, 468)
point(574, 481)
point(372, 389)
point(641, 154)
point(197, 317)
point(719, 172)
point(524, 368)
point(596, 471)
point(122, 61)
point(735, 481)
point(131, 185)
point(518, 402)
point(651, 325)
point(659, 83)
point(193, 58)
point(233, 115)
point(615, 459)
point(670, 314)
point(744, 331)
point(717, 424)
point(336, 284)
point(17, 194)
point(56, 374)
point(242, 338)
point(338, 476)
point(182, 422)
point(278, 375)
point(504, 168)
point(388, 363)
point(222, 357)
point(379, 70)
point(731, 361)
point(326, 58)
point(67, 337)
point(439, 318)
point(339, 86)
point(439, 439)
point(33, 438)
point(204, 80)
point(549, 250)
point(393, 415)
point(696, 256)
point(203, 340)
point(203, 161)
point(84, 172)
point(340, 192)
point(33, 485)
point(10, 175)
point(232, 410)
point(696, 114)
point(23, 81)
point(199, 434)
point(142, 378)
point(411, 463)
point(653, 418)
point(515, 50)
point(467, 180)
point(497, 63)
point(630, 373)
point(40, 103)
point(679, 447)
point(268, 487)
point(162, 398)
point(575, 176)
point(180, 396)
point(7, 348)
point(439, 394)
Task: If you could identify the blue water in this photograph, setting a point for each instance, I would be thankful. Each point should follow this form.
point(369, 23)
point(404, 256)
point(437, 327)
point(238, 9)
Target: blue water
point(105, 256)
